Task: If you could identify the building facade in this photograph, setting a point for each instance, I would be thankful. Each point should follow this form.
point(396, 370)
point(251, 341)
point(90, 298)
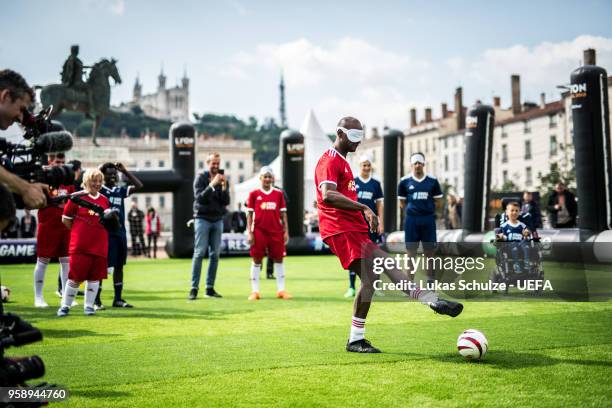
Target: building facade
point(166, 103)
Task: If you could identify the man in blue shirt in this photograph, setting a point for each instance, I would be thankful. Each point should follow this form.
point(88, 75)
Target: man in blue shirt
point(117, 241)
point(417, 194)
point(370, 193)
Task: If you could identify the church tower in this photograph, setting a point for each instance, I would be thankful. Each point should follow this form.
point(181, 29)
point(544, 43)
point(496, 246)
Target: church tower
point(162, 80)
point(283, 113)
point(137, 94)
point(185, 80)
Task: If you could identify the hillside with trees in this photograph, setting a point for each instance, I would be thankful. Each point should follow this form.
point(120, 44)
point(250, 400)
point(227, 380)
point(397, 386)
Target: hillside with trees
point(264, 136)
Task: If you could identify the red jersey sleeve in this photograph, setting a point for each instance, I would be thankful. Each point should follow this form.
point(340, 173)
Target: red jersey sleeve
point(283, 205)
point(70, 210)
point(251, 201)
point(327, 172)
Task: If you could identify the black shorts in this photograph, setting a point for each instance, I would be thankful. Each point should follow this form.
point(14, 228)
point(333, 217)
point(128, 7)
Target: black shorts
point(117, 249)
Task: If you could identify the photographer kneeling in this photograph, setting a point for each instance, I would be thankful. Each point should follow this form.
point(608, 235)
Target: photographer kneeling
point(15, 97)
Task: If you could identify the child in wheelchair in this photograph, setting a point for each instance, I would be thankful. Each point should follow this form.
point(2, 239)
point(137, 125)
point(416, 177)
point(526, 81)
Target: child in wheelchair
point(518, 252)
point(515, 235)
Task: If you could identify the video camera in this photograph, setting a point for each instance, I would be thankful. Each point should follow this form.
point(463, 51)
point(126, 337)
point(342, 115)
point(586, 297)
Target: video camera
point(28, 160)
point(109, 218)
point(16, 371)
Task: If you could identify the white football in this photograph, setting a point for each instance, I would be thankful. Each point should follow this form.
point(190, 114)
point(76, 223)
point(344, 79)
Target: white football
point(5, 293)
point(472, 344)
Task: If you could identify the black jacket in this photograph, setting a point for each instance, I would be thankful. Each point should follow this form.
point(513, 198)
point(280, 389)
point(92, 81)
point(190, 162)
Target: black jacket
point(570, 204)
point(209, 203)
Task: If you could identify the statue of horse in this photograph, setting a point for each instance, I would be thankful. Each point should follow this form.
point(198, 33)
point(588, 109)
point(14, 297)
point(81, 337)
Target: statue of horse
point(92, 98)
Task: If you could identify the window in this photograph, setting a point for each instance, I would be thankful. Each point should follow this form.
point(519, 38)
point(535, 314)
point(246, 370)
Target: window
point(161, 163)
point(527, 149)
point(418, 145)
point(504, 153)
point(200, 164)
point(526, 128)
point(147, 164)
point(148, 201)
point(505, 176)
point(454, 141)
point(426, 145)
point(445, 163)
point(528, 177)
point(135, 199)
point(228, 165)
point(456, 183)
point(162, 201)
point(455, 163)
point(446, 143)
point(241, 165)
point(503, 132)
point(553, 145)
point(241, 179)
point(552, 121)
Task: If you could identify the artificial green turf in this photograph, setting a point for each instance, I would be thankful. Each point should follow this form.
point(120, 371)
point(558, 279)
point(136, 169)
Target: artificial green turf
point(228, 352)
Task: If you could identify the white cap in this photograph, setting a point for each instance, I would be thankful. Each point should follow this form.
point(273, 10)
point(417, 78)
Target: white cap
point(365, 158)
point(266, 170)
point(417, 158)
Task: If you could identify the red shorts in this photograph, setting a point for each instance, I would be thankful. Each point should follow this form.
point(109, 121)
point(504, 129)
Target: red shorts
point(87, 267)
point(274, 243)
point(52, 241)
point(349, 246)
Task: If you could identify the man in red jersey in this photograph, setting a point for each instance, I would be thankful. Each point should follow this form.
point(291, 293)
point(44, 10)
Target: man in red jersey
point(88, 245)
point(343, 223)
point(52, 237)
point(267, 230)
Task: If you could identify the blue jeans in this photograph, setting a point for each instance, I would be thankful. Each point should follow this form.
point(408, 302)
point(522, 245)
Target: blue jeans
point(207, 237)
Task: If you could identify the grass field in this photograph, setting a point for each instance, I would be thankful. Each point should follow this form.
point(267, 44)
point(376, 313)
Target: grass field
point(170, 352)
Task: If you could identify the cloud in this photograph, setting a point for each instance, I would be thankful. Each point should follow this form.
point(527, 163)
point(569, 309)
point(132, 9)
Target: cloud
point(353, 76)
point(541, 67)
point(117, 7)
point(306, 64)
point(238, 7)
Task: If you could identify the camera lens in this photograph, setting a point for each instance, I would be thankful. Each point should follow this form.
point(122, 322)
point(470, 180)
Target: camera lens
point(16, 370)
point(59, 175)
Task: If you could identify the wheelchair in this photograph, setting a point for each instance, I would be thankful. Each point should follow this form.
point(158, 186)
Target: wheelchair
point(517, 261)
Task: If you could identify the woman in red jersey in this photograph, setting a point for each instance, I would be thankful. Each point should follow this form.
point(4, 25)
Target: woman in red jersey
point(88, 244)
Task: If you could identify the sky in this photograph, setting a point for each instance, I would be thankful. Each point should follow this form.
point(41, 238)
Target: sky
point(372, 60)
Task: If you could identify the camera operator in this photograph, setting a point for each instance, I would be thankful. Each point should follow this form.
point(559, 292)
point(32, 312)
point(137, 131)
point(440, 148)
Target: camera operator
point(52, 238)
point(15, 97)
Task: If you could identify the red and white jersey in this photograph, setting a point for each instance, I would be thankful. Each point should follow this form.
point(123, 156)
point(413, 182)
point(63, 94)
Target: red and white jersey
point(334, 169)
point(87, 235)
point(52, 214)
point(267, 207)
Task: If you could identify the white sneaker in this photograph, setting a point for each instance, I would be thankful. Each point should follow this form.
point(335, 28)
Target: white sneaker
point(40, 303)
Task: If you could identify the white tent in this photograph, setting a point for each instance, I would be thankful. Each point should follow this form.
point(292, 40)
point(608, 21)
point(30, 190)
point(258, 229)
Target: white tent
point(315, 144)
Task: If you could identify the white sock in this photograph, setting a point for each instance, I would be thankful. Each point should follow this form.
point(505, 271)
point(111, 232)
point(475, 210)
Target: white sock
point(70, 291)
point(39, 277)
point(357, 329)
point(279, 271)
point(255, 270)
point(424, 296)
point(91, 290)
point(64, 269)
